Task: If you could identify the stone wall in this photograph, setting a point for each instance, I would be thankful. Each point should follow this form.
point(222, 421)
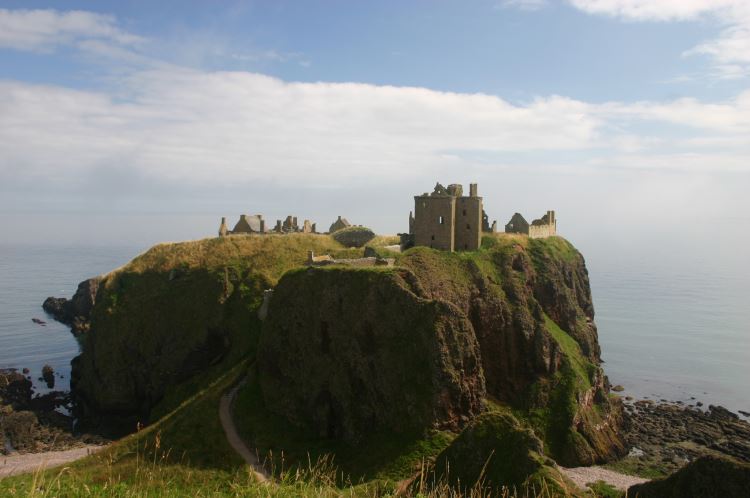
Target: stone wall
point(541, 231)
point(468, 223)
point(434, 222)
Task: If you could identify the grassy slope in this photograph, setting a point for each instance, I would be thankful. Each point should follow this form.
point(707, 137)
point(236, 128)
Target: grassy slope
point(186, 453)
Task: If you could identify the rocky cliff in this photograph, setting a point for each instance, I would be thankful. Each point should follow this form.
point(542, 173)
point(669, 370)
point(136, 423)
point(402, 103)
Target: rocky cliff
point(350, 352)
point(175, 313)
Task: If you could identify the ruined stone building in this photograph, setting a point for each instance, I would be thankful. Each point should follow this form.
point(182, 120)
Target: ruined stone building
point(246, 224)
point(289, 225)
point(546, 226)
point(339, 224)
point(448, 220)
point(256, 224)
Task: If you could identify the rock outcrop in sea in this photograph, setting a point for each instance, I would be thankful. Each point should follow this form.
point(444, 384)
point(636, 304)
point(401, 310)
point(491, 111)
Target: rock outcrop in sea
point(75, 311)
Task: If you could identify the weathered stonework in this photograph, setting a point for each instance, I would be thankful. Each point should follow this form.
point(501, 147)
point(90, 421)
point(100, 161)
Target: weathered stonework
point(339, 224)
point(246, 224)
point(546, 226)
point(249, 224)
point(447, 220)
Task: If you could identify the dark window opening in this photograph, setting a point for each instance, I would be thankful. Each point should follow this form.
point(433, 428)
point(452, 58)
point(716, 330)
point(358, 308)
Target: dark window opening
point(468, 227)
point(432, 238)
point(464, 212)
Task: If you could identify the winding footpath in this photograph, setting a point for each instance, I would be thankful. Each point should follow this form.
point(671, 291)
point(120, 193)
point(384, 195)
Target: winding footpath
point(32, 462)
point(233, 436)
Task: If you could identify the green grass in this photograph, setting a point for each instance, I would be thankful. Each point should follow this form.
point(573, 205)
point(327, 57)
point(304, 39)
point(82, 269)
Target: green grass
point(634, 466)
point(603, 490)
point(583, 368)
point(270, 254)
point(381, 457)
point(185, 452)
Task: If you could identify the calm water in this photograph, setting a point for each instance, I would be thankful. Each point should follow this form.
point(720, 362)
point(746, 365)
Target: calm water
point(28, 275)
point(676, 332)
point(668, 329)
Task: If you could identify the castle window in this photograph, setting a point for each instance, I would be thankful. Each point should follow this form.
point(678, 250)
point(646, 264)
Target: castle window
point(433, 238)
point(441, 220)
point(464, 212)
point(468, 227)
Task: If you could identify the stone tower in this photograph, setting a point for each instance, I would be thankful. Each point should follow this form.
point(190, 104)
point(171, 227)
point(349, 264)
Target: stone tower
point(223, 227)
point(448, 220)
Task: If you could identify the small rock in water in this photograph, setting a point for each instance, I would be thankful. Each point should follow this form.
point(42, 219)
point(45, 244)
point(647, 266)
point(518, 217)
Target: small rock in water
point(48, 375)
point(743, 412)
point(699, 403)
point(39, 322)
point(25, 371)
point(618, 388)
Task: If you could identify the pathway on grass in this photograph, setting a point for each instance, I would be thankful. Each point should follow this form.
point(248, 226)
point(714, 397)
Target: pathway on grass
point(584, 475)
point(235, 441)
point(30, 462)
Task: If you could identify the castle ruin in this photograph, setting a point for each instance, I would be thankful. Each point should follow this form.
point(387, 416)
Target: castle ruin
point(448, 220)
point(339, 224)
point(546, 226)
point(249, 224)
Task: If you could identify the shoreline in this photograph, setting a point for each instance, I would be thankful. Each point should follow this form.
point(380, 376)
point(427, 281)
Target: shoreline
point(20, 463)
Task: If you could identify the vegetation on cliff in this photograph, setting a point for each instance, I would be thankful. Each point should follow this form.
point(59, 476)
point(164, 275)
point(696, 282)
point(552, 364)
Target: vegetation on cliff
point(175, 312)
point(373, 369)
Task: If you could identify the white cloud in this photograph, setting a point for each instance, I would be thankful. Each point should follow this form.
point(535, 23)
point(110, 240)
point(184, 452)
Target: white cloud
point(217, 127)
point(658, 10)
point(44, 30)
point(193, 128)
point(732, 117)
point(730, 49)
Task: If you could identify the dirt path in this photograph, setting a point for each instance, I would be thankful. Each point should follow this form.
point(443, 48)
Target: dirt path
point(235, 441)
point(584, 475)
point(29, 462)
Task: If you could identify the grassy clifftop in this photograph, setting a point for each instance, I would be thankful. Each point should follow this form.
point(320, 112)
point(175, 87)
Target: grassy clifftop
point(177, 311)
point(380, 368)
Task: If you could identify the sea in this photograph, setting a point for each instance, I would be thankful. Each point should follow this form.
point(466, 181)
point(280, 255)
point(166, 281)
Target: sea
point(673, 324)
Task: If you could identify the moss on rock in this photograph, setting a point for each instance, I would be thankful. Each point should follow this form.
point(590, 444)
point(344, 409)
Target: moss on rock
point(354, 236)
point(174, 312)
point(706, 477)
point(348, 352)
point(496, 451)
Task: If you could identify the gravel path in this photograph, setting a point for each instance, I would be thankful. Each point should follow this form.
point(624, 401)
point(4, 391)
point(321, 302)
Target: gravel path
point(584, 475)
point(29, 462)
point(227, 422)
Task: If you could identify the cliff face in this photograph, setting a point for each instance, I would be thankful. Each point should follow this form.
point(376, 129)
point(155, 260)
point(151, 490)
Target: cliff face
point(350, 352)
point(521, 308)
point(176, 311)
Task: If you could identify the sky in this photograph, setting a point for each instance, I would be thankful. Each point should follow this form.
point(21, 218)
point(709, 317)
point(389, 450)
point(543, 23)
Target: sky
point(144, 121)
